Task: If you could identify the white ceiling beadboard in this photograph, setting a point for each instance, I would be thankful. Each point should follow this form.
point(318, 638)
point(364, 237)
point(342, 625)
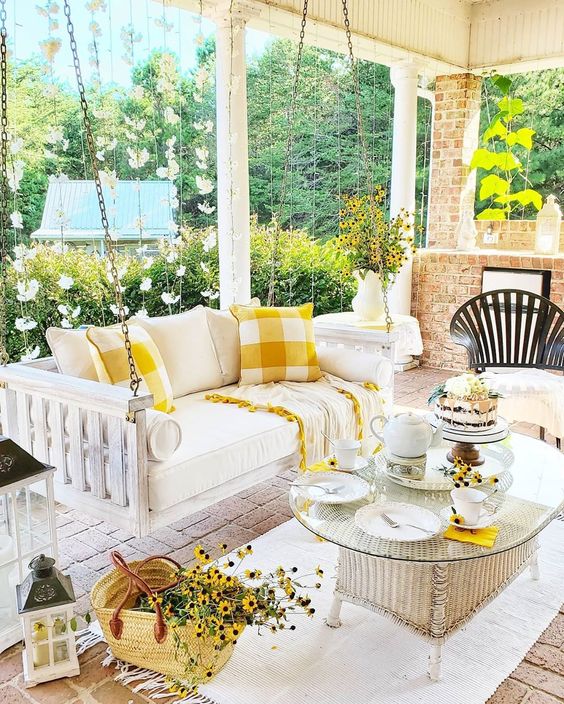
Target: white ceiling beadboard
point(442, 36)
point(517, 35)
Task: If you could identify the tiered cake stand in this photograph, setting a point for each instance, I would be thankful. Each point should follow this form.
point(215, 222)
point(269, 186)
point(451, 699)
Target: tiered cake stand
point(467, 442)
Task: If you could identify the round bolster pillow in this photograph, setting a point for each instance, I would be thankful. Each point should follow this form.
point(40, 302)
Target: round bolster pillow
point(352, 365)
point(164, 435)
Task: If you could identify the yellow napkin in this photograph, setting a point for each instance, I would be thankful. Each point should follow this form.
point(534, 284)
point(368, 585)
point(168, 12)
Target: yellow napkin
point(482, 536)
point(322, 466)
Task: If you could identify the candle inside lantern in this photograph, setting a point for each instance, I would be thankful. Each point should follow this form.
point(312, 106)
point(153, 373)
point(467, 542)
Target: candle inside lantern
point(39, 639)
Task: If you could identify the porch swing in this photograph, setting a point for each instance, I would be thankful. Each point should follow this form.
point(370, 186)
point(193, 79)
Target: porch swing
point(106, 441)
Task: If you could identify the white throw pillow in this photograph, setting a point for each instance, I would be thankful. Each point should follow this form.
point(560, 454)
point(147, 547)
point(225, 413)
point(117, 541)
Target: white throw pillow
point(224, 330)
point(186, 346)
point(352, 365)
point(164, 435)
point(71, 352)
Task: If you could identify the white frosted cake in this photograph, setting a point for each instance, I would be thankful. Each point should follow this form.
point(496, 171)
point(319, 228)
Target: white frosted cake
point(465, 402)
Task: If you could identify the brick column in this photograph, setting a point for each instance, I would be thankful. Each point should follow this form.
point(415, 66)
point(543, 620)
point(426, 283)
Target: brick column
point(455, 137)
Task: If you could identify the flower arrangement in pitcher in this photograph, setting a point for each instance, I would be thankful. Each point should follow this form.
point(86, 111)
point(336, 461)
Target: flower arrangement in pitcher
point(218, 600)
point(372, 242)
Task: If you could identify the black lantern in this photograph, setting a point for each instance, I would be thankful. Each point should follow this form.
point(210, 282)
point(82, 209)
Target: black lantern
point(45, 604)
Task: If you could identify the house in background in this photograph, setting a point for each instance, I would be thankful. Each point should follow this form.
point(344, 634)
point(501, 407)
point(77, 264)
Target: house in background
point(139, 214)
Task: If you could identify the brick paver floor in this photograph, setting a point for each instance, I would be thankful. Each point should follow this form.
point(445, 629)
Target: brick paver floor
point(85, 543)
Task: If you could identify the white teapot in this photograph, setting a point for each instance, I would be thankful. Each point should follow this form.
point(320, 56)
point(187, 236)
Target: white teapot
point(407, 434)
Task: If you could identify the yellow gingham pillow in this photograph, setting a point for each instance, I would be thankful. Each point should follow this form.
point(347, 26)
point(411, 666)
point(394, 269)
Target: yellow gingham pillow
point(110, 359)
point(277, 344)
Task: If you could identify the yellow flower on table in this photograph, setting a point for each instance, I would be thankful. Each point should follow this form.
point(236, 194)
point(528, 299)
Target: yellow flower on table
point(249, 603)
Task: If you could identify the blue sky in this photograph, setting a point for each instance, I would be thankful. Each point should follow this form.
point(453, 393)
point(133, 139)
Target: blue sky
point(26, 28)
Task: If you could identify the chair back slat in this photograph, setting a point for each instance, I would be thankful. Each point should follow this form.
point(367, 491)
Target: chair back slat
point(510, 328)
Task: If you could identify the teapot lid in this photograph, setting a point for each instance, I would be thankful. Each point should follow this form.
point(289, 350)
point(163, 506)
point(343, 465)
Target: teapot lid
point(409, 418)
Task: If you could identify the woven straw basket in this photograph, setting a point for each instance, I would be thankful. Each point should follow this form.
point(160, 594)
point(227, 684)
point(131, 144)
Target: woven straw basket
point(137, 644)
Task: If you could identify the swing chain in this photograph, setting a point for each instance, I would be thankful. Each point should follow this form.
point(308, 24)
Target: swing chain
point(287, 154)
point(4, 187)
point(365, 157)
point(134, 379)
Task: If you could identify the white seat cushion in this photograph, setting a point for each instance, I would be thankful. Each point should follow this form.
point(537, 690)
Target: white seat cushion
point(186, 347)
point(219, 442)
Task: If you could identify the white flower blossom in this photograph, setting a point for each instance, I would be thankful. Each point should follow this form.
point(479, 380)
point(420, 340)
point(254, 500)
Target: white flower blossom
point(171, 257)
point(206, 208)
point(18, 265)
point(100, 156)
point(15, 173)
point(60, 248)
point(25, 324)
point(16, 218)
point(65, 323)
point(141, 250)
point(210, 241)
point(172, 226)
point(55, 135)
point(16, 145)
point(137, 158)
point(66, 282)
point(142, 313)
point(138, 92)
point(170, 171)
point(201, 77)
point(115, 310)
point(27, 291)
point(29, 356)
point(170, 116)
point(209, 293)
point(63, 310)
point(181, 270)
point(23, 252)
point(145, 284)
point(76, 312)
point(169, 299)
point(204, 185)
point(148, 262)
point(109, 179)
point(205, 267)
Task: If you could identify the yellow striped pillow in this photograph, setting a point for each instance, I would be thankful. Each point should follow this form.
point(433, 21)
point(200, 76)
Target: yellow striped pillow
point(277, 344)
point(110, 359)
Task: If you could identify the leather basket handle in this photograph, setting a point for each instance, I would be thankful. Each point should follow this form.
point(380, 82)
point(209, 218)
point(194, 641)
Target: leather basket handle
point(116, 623)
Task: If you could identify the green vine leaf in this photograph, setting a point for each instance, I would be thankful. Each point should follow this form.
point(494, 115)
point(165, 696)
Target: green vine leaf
point(496, 128)
point(513, 107)
point(73, 624)
point(493, 185)
point(502, 83)
point(525, 197)
point(493, 214)
point(524, 137)
point(483, 159)
point(508, 161)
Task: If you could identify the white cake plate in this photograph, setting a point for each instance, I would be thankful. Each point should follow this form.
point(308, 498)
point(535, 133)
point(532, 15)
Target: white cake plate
point(466, 442)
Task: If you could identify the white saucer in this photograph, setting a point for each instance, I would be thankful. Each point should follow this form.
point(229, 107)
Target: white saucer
point(486, 519)
point(360, 463)
point(369, 519)
point(347, 487)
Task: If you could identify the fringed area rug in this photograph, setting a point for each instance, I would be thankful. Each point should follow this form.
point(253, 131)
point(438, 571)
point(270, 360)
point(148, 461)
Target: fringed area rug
point(370, 660)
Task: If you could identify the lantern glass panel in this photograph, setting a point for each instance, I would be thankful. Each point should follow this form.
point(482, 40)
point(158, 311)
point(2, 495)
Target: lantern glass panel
point(33, 518)
point(9, 573)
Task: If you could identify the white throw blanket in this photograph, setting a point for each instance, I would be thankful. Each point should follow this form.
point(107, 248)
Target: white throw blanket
point(531, 395)
point(307, 400)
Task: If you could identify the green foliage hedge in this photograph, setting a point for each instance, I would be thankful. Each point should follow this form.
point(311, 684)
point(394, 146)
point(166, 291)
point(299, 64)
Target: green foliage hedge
point(307, 270)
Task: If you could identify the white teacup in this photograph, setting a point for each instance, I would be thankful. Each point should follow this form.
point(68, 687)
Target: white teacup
point(470, 504)
point(346, 452)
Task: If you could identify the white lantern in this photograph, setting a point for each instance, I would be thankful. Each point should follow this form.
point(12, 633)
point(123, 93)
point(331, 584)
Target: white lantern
point(27, 527)
point(549, 219)
point(45, 603)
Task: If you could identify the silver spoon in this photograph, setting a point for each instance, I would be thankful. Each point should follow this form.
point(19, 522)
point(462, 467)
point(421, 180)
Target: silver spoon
point(395, 524)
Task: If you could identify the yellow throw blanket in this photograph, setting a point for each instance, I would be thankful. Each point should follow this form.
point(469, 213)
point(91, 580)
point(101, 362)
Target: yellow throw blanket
point(338, 408)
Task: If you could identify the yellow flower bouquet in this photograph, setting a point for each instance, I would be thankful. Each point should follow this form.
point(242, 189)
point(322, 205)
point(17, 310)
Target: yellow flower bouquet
point(218, 600)
point(372, 242)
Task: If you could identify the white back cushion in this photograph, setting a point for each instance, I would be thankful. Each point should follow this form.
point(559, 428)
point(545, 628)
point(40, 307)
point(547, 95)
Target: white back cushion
point(224, 329)
point(71, 351)
point(186, 347)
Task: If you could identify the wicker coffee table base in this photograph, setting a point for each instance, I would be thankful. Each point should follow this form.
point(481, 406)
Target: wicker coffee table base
point(433, 600)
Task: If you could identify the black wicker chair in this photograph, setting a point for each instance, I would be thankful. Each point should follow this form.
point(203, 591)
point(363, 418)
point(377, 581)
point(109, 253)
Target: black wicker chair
point(511, 329)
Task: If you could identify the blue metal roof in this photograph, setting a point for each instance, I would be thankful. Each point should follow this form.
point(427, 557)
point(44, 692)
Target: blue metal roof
point(77, 200)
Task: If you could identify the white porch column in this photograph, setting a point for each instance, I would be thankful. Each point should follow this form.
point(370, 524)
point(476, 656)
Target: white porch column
point(402, 193)
point(233, 209)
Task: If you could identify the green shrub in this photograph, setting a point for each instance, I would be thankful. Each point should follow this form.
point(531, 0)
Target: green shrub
point(306, 271)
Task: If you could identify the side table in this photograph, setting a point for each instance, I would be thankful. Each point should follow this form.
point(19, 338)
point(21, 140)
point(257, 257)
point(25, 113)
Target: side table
point(347, 330)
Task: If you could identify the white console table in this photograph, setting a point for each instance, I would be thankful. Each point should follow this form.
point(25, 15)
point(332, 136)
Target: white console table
point(348, 331)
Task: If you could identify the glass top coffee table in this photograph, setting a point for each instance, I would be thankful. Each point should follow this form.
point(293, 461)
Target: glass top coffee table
point(434, 586)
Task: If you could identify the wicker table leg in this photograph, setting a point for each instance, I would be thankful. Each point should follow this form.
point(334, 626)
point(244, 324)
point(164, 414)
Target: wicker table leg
point(333, 619)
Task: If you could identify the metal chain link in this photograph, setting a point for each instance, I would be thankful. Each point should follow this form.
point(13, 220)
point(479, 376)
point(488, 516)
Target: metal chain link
point(287, 155)
point(134, 379)
point(364, 153)
point(4, 187)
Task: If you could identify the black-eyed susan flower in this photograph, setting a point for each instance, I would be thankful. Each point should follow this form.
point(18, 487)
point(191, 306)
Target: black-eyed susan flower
point(332, 462)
